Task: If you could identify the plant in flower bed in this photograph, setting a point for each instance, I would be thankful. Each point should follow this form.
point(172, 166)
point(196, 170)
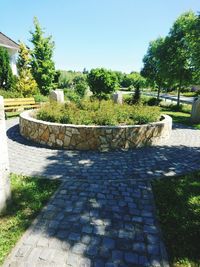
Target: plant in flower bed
point(98, 113)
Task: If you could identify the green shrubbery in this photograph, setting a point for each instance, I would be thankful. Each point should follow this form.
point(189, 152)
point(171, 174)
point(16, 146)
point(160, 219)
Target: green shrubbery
point(9, 94)
point(102, 82)
point(98, 113)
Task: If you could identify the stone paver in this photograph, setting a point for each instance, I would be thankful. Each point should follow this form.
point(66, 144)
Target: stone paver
point(84, 225)
point(179, 154)
point(103, 214)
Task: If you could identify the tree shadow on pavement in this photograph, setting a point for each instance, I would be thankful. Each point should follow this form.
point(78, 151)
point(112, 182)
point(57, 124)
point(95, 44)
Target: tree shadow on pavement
point(103, 214)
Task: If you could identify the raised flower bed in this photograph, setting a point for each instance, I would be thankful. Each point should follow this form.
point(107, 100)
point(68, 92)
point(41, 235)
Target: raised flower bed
point(89, 137)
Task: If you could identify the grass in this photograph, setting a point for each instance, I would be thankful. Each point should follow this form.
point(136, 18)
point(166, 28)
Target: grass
point(182, 117)
point(29, 195)
point(178, 206)
point(190, 94)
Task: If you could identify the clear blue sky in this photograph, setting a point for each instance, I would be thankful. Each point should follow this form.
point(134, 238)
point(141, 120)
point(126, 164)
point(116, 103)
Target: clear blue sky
point(95, 33)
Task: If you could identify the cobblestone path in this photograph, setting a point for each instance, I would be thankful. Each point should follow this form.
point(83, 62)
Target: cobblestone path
point(103, 213)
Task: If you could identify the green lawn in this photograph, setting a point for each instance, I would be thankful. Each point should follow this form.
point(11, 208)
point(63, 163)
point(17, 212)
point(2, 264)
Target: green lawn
point(180, 117)
point(178, 208)
point(28, 197)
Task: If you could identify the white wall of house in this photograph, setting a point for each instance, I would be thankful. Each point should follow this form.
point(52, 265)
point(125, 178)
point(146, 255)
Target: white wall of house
point(13, 60)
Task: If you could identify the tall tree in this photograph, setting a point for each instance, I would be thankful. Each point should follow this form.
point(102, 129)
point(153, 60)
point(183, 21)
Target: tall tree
point(26, 84)
point(193, 40)
point(43, 67)
point(154, 68)
point(178, 64)
point(6, 76)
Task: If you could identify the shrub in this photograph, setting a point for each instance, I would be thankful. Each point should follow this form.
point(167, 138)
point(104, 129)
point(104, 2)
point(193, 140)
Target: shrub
point(72, 95)
point(9, 94)
point(151, 101)
point(80, 84)
point(98, 113)
point(6, 76)
point(102, 82)
point(41, 98)
point(25, 85)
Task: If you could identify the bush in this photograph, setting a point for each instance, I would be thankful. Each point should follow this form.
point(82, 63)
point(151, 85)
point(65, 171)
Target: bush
point(71, 95)
point(98, 113)
point(102, 82)
point(151, 101)
point(6, 76)
point(40, 98)
point(9, 94)
point(80, 85)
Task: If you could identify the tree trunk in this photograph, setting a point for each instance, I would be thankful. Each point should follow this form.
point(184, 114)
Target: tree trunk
point(179, 92)
point(158, 95)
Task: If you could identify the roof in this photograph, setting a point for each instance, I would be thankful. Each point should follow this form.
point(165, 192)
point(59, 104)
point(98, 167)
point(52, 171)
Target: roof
point(5, 41)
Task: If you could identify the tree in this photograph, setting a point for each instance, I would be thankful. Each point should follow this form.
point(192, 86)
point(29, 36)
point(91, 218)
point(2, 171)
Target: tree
point(43, 68)
point(138, 82)
point(26, 84)
point(6, 76)
point(178, 64)
point(80, 84)
point(154, 68)
point(57, 77)
point(193, 40)
point(102, 82)
point(121, 78)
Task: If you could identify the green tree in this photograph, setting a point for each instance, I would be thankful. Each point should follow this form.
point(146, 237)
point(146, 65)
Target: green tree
point(102, 82)
point(80, 84)
point(57, 77)
point(121, 77)
point(66, 79)
point(154, 69)
point(26, 84)
point(178, 64)
point(138, 82)
point(43, 67)
point(193, 40)
point(6, 76)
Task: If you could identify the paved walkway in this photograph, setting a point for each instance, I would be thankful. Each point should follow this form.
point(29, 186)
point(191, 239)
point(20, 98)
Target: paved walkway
point(103, 214)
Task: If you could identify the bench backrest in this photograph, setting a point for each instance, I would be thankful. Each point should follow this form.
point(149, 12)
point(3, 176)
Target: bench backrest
point(19, 101)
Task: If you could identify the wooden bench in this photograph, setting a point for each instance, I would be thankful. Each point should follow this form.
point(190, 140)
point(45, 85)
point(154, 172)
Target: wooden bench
point(19, 104)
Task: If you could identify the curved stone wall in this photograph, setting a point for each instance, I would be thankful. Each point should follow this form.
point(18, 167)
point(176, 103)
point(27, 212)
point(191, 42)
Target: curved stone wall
point(104, 138)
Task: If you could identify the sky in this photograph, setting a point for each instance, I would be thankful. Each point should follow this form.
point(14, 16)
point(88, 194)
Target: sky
point(113, 34)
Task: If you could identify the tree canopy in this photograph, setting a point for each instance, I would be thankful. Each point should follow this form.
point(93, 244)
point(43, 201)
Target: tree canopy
point(6, 76)
point(173, 61)
point(43, 68)
point(102, 82)
point(26, 85)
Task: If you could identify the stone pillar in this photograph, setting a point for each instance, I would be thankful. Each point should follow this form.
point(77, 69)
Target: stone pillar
point(117, 98)
point(57, 95)
point(5, 193)
point(195, 114)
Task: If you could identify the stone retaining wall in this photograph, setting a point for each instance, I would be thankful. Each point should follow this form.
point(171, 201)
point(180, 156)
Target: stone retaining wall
point(4, 164)
point(104, 138)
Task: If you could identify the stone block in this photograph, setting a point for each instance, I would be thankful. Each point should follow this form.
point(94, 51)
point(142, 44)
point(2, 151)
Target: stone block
point(117, 98)
point(57, 95)
point(195, 114)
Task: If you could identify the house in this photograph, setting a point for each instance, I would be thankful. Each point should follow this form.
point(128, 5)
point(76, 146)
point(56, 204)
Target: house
point(12, 48)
